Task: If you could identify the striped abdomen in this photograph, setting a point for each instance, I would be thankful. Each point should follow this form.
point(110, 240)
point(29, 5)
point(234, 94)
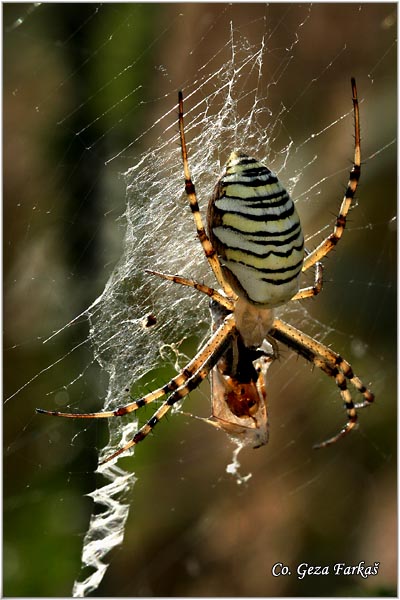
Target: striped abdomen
point(256, 231)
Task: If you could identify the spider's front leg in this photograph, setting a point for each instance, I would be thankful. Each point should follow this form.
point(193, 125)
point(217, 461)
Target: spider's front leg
point(223, 331)
point(330, 363)
point(215, 348)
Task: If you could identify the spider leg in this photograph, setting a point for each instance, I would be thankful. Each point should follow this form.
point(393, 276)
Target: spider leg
point(330, 363)
point(313, 290)
point(213, 294)
point(209, 251)
point(330, 242)
point(215, 341)
point(176, 396)
point(297, 339)
point(218, 348)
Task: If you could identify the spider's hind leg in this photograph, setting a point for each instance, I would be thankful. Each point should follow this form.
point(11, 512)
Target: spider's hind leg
point(332, 240)
point(313, 290)
point(208, 249)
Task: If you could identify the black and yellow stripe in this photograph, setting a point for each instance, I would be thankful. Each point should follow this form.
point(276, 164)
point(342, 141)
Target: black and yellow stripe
point(332, 240)
point(254, 226)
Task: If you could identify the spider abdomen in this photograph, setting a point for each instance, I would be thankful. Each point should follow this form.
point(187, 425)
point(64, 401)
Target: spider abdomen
point(254, 227)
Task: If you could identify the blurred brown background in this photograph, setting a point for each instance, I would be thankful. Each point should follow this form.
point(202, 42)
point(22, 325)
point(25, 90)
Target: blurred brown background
point(192, 530)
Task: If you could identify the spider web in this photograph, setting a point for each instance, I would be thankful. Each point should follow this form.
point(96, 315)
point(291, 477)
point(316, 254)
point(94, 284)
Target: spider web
point(125, 348)
point(246, 92)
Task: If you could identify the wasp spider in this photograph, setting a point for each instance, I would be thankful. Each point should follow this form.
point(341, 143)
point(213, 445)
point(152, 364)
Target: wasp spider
point(255, 248)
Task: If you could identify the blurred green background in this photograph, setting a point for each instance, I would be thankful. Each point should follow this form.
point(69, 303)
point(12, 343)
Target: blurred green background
point(72, 101)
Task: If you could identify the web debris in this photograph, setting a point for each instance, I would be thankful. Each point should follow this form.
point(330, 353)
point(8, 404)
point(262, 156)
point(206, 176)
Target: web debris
point(233, 467)
point(106, 529)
